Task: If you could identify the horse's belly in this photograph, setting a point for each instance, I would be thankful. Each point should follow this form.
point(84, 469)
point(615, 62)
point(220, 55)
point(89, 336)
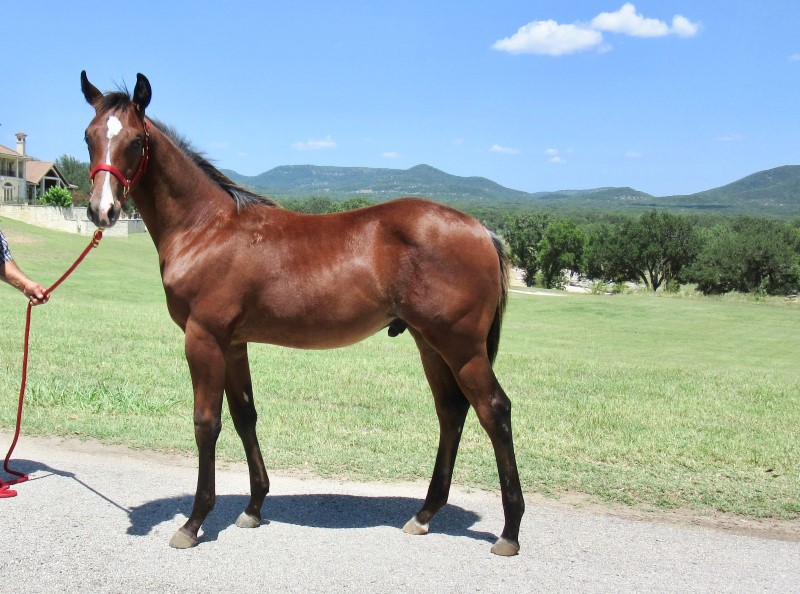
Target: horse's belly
point(312, 333)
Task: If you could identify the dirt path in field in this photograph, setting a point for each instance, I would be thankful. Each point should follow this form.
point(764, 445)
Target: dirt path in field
point(98, 518)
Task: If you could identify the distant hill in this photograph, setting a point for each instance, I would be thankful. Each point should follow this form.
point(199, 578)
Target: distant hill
point(774, 192)
point(377, 184)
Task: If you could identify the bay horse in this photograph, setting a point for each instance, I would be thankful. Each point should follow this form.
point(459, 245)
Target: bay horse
point(237, 268)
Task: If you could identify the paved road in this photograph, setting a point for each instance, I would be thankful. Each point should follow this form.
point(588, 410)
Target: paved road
point(98, 519)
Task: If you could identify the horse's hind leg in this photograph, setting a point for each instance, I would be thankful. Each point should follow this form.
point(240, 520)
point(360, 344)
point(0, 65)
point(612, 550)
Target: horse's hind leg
point(239, 390)
point(451, 408)
point(471, 369)
point(493, 408)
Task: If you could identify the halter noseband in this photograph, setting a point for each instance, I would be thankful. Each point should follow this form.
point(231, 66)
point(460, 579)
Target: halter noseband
point(127, 183)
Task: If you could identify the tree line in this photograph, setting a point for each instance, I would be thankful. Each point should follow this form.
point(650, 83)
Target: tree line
point(659, 250)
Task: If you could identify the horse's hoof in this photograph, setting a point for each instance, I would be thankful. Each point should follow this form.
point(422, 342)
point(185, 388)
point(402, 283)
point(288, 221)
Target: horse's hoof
point(247, 521)
point(182, 540)
point(505, 548)
point(414, 527)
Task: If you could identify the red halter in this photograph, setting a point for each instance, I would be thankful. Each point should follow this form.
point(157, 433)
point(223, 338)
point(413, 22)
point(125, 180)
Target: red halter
point(127, 183)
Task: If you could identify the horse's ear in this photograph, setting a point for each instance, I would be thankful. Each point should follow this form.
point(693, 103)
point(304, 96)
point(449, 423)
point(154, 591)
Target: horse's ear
point(90, 92)
point(142, 92)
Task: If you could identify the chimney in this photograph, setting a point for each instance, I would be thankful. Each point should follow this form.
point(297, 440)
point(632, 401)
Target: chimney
point(21, 143)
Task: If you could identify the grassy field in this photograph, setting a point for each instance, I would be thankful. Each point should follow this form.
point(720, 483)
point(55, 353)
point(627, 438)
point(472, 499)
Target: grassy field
point(665, 401)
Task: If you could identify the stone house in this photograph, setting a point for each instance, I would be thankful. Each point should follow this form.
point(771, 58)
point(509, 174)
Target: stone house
point(23, 180)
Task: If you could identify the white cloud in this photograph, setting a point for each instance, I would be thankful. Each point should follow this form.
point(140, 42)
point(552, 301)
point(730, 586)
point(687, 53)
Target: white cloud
point(390, 155)
point(550, 38)
point(555, 156)
point(629, 22)
point(683, 27)
point(458, 141)
point(315, 145)
point(556, 39)
point(633, 154)
point(504, 150)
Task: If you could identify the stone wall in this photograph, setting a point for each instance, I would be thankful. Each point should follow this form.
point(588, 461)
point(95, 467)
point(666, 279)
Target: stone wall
point(72, 219)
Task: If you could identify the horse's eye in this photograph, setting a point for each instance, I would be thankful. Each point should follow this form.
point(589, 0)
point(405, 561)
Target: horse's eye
point(136, 144)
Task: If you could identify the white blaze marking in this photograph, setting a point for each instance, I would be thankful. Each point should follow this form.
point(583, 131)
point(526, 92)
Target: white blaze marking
point(114, 127)
point(106, 196)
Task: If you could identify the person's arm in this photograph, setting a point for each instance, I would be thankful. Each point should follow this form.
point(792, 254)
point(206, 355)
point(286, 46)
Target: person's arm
point(11, 273)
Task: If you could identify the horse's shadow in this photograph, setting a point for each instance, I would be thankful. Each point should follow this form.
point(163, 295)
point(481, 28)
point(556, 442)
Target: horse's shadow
point(324, 510)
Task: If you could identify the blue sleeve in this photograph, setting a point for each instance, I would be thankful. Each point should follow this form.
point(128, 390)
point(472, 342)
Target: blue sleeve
point(5, 251)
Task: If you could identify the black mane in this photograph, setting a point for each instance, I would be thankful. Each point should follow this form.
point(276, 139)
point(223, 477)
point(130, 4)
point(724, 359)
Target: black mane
point(242, 197)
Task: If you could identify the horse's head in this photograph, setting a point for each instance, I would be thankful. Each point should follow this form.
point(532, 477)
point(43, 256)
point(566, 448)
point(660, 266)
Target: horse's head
point(118, 147)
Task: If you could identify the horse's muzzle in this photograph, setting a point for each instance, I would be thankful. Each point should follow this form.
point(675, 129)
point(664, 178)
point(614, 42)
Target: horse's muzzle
point(104, 220)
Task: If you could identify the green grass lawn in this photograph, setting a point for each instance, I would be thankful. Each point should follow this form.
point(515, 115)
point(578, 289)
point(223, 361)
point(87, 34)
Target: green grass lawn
point(666, 401)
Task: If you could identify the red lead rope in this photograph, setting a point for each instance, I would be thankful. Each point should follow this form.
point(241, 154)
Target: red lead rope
point(5, 491)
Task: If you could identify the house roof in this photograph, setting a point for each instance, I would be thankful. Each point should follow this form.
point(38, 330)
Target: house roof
point(4, 150)
point(36, 170)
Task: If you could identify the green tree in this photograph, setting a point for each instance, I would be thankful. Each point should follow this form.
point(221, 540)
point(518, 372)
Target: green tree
point(352, 204)
point(325, 205)
point(522, 233)
point(561, 248)
point(749, 254)
point(56, 196)
point(314, 205)
point(654, 248)
point(76, 172)
point(600, 253)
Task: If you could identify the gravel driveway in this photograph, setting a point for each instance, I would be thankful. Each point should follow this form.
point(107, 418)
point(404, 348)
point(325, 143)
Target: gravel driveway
point(97, 518)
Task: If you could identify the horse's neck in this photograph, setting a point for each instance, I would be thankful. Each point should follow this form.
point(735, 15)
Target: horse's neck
point(175, 195)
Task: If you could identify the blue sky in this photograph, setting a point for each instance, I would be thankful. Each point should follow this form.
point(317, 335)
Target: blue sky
point(666, 96)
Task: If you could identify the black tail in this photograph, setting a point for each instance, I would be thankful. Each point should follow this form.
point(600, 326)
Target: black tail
point(493, 340)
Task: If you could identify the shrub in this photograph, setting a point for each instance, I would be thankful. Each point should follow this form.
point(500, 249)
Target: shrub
point(619, 288)
point(56, 196)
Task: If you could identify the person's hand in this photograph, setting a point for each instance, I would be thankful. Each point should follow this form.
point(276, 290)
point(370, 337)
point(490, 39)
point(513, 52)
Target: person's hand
point(35, 292)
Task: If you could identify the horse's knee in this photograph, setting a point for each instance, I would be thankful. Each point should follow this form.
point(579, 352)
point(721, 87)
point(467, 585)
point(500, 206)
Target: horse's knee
point(206, 426)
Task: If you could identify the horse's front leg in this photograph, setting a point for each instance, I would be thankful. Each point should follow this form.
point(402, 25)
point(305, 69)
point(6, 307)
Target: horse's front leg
point(239, 390)
point(206, 357)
